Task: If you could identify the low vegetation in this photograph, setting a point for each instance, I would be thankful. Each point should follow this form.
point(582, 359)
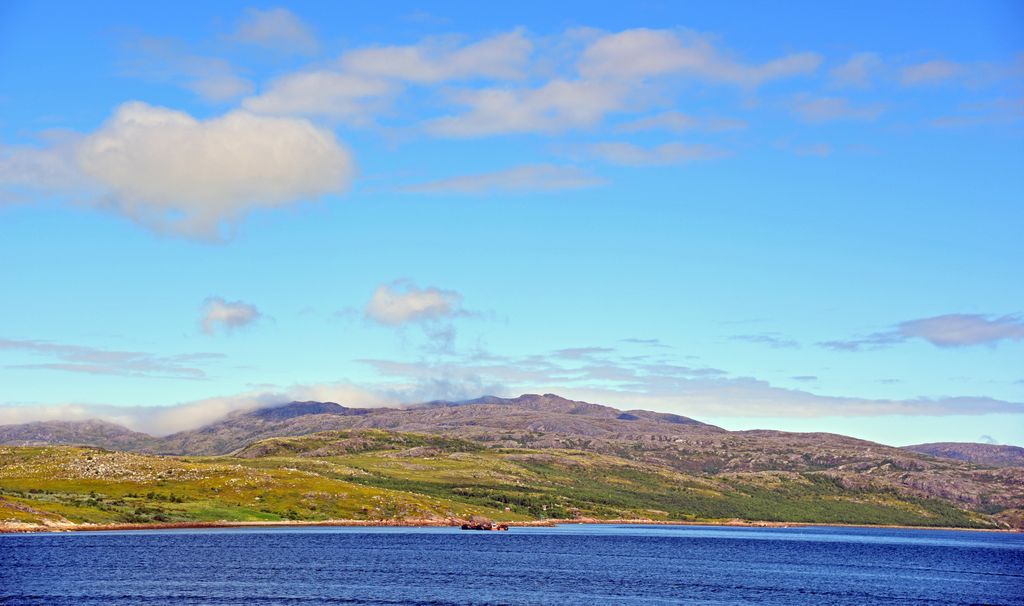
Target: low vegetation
point(381, 475)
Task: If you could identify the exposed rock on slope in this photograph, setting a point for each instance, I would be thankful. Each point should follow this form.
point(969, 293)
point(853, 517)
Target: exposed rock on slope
point(994, 455)
point(87, 433)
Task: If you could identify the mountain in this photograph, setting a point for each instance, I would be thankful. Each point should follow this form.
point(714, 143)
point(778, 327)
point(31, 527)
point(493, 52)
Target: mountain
point(544, 420)
point(86, 433)
point(994, 455)
point(244, 427)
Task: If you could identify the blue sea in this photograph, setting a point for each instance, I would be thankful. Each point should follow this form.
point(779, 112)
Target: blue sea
point(573, 564)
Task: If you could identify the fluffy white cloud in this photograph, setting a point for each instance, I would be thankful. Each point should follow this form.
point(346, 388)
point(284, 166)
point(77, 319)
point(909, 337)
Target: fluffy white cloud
point(504, 56)
point(401, 302)
point(227, 315)
point(533, 177)
point(629, 154)
point(174, 173)
point(643, 53)
point(278, 29)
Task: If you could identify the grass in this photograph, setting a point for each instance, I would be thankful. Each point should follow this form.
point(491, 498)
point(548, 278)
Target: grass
point(377, 475)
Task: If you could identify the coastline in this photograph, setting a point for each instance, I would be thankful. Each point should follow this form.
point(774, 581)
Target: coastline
point(25, 528)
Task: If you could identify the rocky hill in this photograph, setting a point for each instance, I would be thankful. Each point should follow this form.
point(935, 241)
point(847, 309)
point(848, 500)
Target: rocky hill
point(549, 423)
point(370, 474)
point(994, 455)
point(91, 432)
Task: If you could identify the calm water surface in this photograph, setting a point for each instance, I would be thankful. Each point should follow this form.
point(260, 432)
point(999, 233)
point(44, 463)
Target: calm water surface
point(566, 565)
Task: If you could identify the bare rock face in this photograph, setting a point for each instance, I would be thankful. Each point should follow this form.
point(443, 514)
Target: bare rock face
point(993, 455)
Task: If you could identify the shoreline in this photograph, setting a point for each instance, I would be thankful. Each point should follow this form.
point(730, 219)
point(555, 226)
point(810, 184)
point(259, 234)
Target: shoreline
point(24, 528)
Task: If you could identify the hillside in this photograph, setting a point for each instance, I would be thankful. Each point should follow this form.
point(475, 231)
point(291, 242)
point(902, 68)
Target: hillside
point(374, 474)
point(994, 455)
point(781, 467)
point(90, 432)
point(548, 420)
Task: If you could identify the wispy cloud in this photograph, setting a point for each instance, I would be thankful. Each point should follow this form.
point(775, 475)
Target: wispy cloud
point(532, 177)
point(648, 342)
point(630, 383)
point(950, 330)
point(771, 339)
point(630, 154)
point(831, 109)
point(1001, 111)
point(935, 72)
point(930, 72)
point(168, 60)
point(501, 57)
point(553, 107)
point(365, 82)
point(226, 316)
point(679, 122)
point(91, 360)
point(278, 29)
point(644, 53)
point(859, 71)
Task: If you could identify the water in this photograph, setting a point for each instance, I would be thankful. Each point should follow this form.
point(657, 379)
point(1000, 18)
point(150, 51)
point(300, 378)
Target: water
point(585, 565)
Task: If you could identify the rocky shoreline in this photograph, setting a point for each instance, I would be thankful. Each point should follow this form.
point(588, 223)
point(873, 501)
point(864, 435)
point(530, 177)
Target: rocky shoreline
point(19, 527)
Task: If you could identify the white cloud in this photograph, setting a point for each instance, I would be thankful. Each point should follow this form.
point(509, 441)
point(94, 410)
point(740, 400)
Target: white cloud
point(679, 122)
point(532, 177)
point(858, 71)
point(227, 315)
point(366, 81)
point(278, 29)
point(950, 330)
point(830, 109)
point(220, 87)
point(958, 330)
point(166, 59)
point(643, 53)
point(820, 150)
point(52, 165)
point(629, 154)
point(556, 106)
point(401, 302)
point(195, 178)
point(661, 386)
point(351, 97)
point(163, 420)
point(65, 357)
point(930, 72)
point(502, 57)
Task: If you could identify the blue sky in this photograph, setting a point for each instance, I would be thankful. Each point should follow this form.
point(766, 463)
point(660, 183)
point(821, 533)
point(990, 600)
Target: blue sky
point(800, 216)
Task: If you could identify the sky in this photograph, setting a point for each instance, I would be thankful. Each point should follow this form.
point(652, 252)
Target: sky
point(803, 216)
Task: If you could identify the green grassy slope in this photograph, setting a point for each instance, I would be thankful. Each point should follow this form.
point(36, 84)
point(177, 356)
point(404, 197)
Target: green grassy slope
point(372, 474)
